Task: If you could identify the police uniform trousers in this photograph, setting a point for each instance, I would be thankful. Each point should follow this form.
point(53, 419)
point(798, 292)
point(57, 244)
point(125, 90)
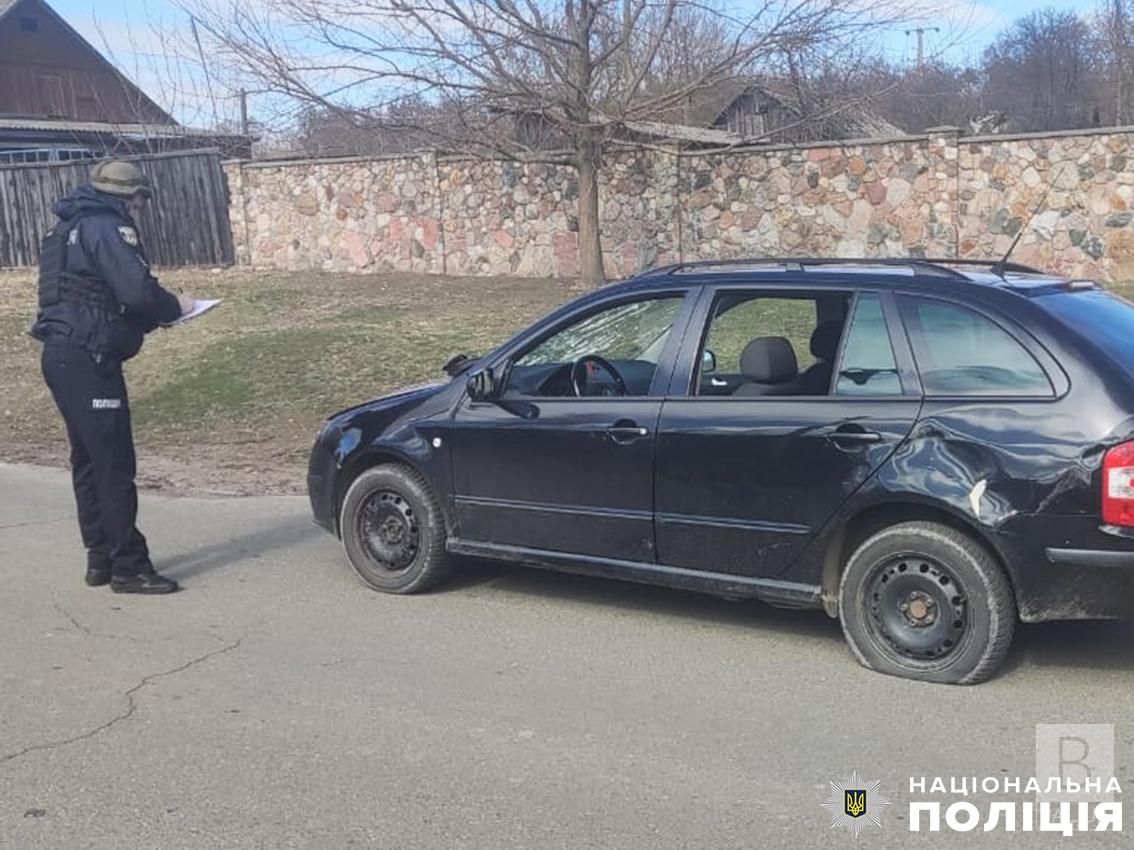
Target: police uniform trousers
point(91, 395)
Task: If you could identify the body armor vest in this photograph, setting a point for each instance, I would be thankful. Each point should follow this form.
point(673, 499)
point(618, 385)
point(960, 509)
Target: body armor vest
point(56, 284)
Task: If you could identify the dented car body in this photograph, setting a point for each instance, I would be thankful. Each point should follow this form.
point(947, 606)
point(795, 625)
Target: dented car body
point(659, 465)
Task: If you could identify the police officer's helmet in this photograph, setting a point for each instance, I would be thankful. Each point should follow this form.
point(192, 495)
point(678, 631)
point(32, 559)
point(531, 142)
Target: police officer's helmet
point(121, 178)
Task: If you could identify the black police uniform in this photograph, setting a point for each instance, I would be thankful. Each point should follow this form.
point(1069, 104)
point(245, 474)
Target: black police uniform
point(97, 302)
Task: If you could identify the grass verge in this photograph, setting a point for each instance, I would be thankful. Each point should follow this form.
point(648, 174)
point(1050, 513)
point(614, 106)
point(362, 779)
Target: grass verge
point(231, 402)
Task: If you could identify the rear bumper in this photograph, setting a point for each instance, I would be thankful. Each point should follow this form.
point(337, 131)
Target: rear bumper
point(1068, 568)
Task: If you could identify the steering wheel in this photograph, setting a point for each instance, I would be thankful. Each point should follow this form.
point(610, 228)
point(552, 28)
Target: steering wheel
point(579, 374)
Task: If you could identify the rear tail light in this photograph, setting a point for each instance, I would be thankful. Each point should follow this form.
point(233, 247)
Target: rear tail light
point(1118, 486)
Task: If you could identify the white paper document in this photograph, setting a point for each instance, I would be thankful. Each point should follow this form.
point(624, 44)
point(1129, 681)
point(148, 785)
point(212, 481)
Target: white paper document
point(200, 307)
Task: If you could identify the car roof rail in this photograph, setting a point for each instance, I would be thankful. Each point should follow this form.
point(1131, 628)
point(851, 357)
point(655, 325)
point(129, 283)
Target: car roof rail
point(936, 267)
point(1010, 266)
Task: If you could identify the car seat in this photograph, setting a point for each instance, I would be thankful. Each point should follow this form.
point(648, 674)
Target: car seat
point(769, 367)
point(816, 378)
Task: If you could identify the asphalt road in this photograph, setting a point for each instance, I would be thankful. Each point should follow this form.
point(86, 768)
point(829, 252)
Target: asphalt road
point(277, 703)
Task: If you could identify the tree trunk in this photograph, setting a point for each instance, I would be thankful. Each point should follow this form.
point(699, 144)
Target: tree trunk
point(590, 247)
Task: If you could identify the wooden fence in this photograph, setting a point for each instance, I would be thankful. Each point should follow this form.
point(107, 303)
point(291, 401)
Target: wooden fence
point(186, 223)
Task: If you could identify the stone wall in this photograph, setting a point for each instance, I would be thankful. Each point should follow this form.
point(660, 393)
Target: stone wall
point(1084, 227)
point(934, 195)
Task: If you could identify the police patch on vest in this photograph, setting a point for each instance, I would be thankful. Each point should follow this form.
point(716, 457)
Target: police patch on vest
point(106, 403)
point(73, 236)
point(129, 236)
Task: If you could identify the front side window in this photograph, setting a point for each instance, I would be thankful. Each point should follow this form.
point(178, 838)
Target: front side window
point(960, 352)
point(868, 366)
point(614, 352)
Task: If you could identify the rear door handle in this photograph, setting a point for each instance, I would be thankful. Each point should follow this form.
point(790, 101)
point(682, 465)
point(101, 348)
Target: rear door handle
point(626, 431)
point(850, 437)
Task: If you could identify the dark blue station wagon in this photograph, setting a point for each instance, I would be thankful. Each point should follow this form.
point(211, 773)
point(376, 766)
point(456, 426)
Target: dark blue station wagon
point(930, 451)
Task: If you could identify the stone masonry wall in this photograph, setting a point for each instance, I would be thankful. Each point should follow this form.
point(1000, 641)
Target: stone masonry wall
point(938, 195)
point(1084, 227)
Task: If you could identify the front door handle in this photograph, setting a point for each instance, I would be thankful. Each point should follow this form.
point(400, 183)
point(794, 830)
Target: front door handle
point(718, 382)
point(626, 431)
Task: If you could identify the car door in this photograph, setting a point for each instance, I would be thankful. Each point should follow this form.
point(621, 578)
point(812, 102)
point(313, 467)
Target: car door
point(743, 481)
point(554, 467)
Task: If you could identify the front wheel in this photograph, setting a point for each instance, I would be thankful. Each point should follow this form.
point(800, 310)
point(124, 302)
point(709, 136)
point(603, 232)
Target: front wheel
point(925, 601)
point(393, 530)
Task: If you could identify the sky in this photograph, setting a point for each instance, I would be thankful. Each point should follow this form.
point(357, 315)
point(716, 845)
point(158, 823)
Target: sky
point(127, 32)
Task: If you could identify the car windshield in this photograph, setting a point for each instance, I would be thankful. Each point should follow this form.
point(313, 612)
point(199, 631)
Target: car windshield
point(1104, 318)
point(634, 331)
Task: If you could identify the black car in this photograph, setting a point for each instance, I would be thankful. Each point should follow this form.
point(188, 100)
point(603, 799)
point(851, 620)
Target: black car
point(928, 450)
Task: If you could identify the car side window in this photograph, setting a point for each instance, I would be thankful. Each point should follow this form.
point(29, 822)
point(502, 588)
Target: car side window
point(868, 366)
point(961, 352)
point(772, 344)
point(613, 352)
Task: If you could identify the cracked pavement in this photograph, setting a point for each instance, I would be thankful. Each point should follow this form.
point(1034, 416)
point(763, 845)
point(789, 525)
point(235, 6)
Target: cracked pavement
point(277, 703)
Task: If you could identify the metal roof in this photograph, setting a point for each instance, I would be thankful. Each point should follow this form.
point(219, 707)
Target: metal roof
point(108, 128)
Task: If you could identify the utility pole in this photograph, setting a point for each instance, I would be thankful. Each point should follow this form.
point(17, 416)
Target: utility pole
point(1118, 60)
point(243, 112)
point(921, 31)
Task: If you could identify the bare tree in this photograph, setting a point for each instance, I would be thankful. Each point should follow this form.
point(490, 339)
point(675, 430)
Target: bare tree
point(583, 70)
point(1114, 29)
point(1042, 73)
point(933, 95)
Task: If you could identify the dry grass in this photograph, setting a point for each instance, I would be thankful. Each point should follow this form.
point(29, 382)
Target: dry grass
point(246, 387)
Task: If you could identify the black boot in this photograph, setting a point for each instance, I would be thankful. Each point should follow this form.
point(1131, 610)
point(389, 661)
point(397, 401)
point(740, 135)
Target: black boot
point(98, 569)
point(98, 576)
point(148, 583)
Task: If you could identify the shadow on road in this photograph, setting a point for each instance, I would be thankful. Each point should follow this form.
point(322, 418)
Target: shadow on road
point(1091, 645)
point(217, 555)
point(476, 576)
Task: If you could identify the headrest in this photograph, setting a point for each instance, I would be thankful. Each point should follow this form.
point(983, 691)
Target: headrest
point(769, 360)
point(825, 339)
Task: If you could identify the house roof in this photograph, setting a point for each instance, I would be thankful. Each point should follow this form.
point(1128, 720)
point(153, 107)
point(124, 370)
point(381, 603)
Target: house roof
point(709, 107)
point(141, 131)
point(8, 6)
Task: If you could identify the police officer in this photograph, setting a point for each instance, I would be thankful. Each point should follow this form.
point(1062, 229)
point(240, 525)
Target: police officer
point(97, 300)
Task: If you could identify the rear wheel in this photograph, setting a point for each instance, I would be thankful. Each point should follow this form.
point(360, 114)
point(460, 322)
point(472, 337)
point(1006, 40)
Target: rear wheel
point(393, 530)
point(925, 601)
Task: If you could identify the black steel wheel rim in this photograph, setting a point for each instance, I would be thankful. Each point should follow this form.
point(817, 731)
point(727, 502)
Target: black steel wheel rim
point(917, 609)
point(389, 531)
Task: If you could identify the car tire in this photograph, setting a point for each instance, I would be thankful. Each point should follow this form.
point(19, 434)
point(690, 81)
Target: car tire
point(393, 530)
point(925, 601)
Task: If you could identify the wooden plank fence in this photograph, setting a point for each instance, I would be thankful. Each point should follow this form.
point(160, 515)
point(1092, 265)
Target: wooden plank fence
point(186, 223)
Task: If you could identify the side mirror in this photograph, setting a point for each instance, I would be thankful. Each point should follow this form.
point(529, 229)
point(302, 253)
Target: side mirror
point(708, 362)
point(482, 385)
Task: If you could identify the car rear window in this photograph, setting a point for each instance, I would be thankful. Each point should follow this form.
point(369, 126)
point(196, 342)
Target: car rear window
point(961, 352)
point(1103, 317)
